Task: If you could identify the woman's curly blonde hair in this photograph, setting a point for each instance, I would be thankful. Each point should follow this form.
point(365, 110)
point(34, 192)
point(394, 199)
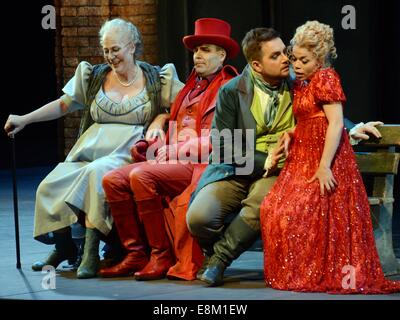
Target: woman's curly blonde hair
point(317, 38)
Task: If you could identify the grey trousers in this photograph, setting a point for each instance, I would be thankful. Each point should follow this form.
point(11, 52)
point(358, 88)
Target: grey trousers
point(211, 206)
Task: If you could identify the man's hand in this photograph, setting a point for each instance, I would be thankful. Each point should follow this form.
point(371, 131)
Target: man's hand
point(273, 157)
point(286, 139)
point(162, 154)
point(166, 153)
point(360, 133)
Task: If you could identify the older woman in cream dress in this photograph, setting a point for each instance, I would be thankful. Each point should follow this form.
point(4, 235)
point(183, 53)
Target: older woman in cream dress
point(119, 101)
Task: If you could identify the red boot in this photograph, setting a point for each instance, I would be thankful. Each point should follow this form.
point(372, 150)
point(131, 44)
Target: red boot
point(161, 258)
point(132, 237)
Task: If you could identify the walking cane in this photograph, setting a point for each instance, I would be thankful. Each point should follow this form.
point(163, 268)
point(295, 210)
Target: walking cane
point(16, 222)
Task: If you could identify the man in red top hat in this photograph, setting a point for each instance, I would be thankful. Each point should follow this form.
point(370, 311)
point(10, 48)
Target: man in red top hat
point(136, 193)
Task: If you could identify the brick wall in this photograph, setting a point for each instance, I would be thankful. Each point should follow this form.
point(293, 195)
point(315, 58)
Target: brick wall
point(78, 23)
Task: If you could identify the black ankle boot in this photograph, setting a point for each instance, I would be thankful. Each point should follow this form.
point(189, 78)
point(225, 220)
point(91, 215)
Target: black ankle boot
point(65, 249)
point(80, 244)
point(203, 267)
point(213, 274)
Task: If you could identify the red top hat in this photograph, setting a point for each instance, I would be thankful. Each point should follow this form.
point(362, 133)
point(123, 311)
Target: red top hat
point(212, 31)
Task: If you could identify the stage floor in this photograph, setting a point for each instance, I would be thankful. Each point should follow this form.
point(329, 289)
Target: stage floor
point(244, 279)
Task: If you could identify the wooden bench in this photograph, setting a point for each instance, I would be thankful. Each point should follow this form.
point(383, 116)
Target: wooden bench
point(378, 162)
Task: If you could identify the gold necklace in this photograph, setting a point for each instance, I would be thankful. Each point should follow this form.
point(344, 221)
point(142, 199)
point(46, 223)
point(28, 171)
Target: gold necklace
point(130, 82)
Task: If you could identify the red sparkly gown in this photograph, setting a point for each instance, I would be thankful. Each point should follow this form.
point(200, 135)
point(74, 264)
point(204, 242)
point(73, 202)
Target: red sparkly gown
point(319, 243)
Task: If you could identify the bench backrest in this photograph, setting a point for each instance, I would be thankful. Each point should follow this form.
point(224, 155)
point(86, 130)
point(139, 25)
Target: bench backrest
point(378, 159)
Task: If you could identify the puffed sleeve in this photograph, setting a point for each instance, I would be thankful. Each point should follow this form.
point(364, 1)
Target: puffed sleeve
point(170, 85)
point(75, 90)
point(328, 87)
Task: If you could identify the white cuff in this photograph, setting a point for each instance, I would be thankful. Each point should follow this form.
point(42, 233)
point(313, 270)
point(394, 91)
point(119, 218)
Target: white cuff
point(354, 141)
point(267, 165)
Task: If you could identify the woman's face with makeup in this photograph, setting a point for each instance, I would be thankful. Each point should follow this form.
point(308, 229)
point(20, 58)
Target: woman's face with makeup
point(304, 63)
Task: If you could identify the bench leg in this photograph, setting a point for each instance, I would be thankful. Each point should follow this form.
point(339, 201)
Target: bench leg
point(382, 223)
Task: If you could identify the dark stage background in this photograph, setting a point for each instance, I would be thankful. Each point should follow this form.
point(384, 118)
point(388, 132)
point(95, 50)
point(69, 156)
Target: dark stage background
point(29, 62)
point(368, 58)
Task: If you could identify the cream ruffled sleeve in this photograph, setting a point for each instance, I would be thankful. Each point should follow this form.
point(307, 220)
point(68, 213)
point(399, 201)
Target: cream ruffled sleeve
point(170, 85)
point(76, 89)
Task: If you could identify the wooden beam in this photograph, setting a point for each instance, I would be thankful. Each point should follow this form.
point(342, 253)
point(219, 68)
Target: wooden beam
point(378, 162)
